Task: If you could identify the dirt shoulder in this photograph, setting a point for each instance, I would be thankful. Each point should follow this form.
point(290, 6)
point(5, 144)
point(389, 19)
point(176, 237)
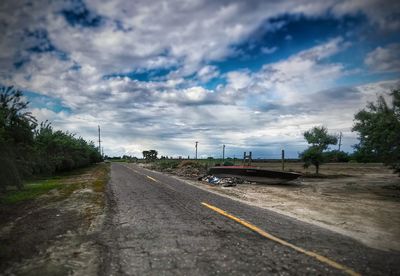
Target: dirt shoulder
point(358, 200)
point(54, 231)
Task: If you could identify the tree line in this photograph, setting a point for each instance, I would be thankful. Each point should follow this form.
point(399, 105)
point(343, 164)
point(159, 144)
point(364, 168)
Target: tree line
point(28, 148)
point(378, 128)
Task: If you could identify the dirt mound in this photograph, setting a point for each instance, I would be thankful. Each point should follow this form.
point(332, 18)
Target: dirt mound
point(190, 168)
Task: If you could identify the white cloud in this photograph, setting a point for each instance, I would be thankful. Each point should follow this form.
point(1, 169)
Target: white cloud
point(289, 81)
point(207, 73)
point(385, 14)
point(267, 51)
point(251, 109)
point(385, 59)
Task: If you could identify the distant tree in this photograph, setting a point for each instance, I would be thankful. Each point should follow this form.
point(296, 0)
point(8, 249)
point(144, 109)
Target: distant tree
point(62, 151)
point(378, 127)
point(336, 156)
point(150, 155)
point(319, 140)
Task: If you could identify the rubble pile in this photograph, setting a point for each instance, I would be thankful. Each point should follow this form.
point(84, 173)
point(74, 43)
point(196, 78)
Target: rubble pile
point(223, 181)
point(190, 168)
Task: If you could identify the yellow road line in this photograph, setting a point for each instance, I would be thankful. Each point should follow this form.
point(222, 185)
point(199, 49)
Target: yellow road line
point(132, 169)
point(151, 178)
point(254, 228)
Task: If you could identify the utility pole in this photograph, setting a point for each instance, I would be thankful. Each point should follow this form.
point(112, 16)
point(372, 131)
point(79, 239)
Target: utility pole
point(196, 149)
point(99, 141)
point(283, 159)
point(340, 140)
point(223, 153)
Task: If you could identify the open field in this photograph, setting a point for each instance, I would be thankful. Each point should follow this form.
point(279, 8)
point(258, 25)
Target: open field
point(358, 200)
point(50, 227)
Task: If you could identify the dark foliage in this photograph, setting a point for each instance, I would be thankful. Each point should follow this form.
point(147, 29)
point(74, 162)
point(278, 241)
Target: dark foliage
point(27, 149)
point(150, 155)
point(378, 127)
point(336, 156)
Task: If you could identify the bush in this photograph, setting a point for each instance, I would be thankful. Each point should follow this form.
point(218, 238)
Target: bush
point(167, 164)
point(27, 149)
point(228, 163)
point(190, 163)
point(336, 156)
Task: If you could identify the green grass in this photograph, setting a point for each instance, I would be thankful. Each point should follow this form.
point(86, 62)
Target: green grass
point(39, 186)
point(30, 191)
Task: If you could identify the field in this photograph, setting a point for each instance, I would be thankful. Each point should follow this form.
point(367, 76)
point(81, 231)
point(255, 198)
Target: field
point(358, 200)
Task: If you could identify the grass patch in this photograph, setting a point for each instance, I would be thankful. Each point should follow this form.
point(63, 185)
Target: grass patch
point(95, 177)
point(30, 191)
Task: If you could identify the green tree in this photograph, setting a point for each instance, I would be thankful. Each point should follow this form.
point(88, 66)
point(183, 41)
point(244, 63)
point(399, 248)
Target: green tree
point(378, 127)
point(26, 149)
point(62, 151)
point(336, 156)
point(150, 155)
point(319, 140)
point(16, 137)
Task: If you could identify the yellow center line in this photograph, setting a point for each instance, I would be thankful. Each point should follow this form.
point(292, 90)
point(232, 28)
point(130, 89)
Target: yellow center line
point(151, 178)
point(254, 228)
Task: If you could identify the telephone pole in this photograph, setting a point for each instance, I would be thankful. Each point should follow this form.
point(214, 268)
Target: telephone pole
point(196, 150)
point(99, 140)
point(223, 153)
point(340, 140)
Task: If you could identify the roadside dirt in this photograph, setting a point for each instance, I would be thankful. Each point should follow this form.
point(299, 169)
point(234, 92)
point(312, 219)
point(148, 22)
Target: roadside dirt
point(57, 233)
point(358, 200)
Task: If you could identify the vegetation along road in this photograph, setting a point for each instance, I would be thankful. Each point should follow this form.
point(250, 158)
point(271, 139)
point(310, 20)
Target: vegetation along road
point(162, 226)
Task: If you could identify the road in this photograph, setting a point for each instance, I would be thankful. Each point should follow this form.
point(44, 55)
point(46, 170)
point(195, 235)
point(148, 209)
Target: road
point(162, 226)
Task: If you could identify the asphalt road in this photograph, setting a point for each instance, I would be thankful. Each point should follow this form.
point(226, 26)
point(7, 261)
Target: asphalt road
point(161, 226)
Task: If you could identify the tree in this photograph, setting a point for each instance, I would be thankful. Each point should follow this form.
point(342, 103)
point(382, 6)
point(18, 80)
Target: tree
point(27, 149)
point(16, 137)
point(378, 127)
point(336, 156)
point(150, 155)
point(319, 139)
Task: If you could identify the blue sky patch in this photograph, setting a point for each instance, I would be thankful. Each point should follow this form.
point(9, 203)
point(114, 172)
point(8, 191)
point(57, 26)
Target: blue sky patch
point(79, 15)
point(42, 101)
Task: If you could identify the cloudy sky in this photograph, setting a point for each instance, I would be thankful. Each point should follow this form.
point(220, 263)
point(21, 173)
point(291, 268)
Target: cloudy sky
point(253, 75)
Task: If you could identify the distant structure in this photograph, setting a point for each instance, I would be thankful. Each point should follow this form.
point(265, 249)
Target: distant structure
point(196, 150)
point(247, 159)
point(223, 152)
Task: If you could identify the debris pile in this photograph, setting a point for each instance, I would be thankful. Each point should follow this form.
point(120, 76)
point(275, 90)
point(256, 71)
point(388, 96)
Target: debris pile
point(190, 168)
point(223, 181)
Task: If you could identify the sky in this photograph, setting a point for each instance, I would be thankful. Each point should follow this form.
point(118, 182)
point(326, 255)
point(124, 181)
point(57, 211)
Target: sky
point(253, 75)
